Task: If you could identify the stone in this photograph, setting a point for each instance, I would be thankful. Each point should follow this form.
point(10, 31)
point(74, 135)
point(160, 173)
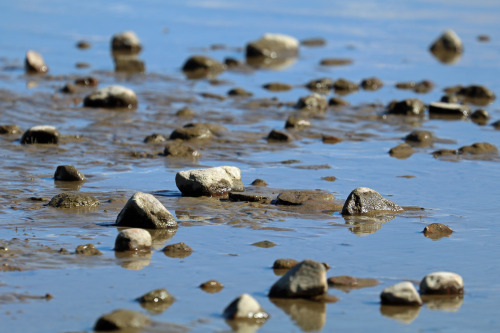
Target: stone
point(198, 131)
point(449, 99)
point(249, 197)
point(496, 125)
point(133, 239)
point(448, 47)
point(277, 135)
point(444, 152)
point(112, 97)
point(212, 182)
point(121, 320)
point(323, 85)
point(41, 135)
point(265, 244)
point(403, 293)
point(335, 62)
point(442, 283)
point(157, 296)
point(480, 117)
point(343, 86)
point(277, 86)
point(180, 150)
point(313, 42)
point(407, 107)
point(126, 42)
point(336, 101)
point(423, 87)
point(298, 197)
point(420, 138)
point(245, 307)
point(239, 92)
point(402, 151)
point(314, 103)
point(178, 250)
point(199, 66)
point(297, 122)
point(364, 200)
point(476, 94)
point(87, 250)
point(73, 200)
point(9, 129)
point(143, 210)
point(233, 63)
point(129, 64)
point(329, 178)
point(478, 148)
point(83, 45)
point(284, 263)
point(211, 286)
point(371, 84)
point(273, 46)
point(437, 230)
point(185, 112)
point(259, 182)
point(351, 282)
point(155, 138)
point(34, 63)
point(448, 110)
point(304, 280)
point(331, 139)
point(68, 173)
point(88, 81)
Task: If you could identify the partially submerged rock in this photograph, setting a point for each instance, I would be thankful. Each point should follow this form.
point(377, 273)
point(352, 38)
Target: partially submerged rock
point(297, 122)
point(476, 94)
point(364, 200)
point(273, 47)
point(178, 250)
point(314, 103)
point(68, 173)
point(112, 97)
point(280, 136)
point(143, 210)
point(323, 85)
point(192, 131)
point(41, 135)
point(403, 293)
point(211, 286)
point(249, 197)
point(180, 150)
point(212, 182)
point(448, 47)
point(157, 296)
point(448, 110)
point(199, 66)
point(305, 280)
point(344, 87)
point(73, 200)
point(478, 148)
point(480, 117)
point(277, 86)
point(351, 282)
point(34, 63)
point(9, 129)
point(284, 263)
point(371, 84)
point(402, 151)
point(298, 197)
point(134, 239)
point(87, 250)
point(442, 283)
point(121, 320)
point(437, 230)
point(126, 42)
point(407, 107)
point(245, 307)
point(335, 62)
point(420, 138)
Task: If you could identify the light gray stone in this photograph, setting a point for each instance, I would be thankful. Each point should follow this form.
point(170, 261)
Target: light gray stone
point(449, 110)
point(212, 182)
point(122, 319)
point(134, 239)
point(126, 41)
point(43, 134)
point(245, 307)
point(403, 293)
point(273, 46)
point(143, 210)
point(34, 63)
point(442, 283)
point(363, 200)
point(112, 97)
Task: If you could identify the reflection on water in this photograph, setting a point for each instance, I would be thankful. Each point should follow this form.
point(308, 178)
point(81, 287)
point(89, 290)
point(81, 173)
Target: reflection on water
point(448, 303)
point(366, 225)
point(245, 325)
point(133, 260)
point(68, 186)
point(308, 315)
point(403, 314)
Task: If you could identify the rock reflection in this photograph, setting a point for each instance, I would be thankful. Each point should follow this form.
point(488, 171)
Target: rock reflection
point(156, 307)
point(270, 63)
point(245, 326)
point(448, 303)
point(161, 236)
point(308, 315)
point(68, 185)
point(403, 314)
point(446, 57)
point(363, 225)
point(133, 260)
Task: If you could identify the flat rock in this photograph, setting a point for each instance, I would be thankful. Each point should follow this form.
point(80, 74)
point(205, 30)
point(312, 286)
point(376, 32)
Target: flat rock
point(73, 200)
point(211, 286)
point(199, 66)
point(178, 250)
point(478, 148)
point(126, 42)
point(335, 62)
point(212, 182)
point(420, 138)
point(408, 107)
point(265, 244)
point(112, 97)
point(180, 150)
point(304, 280)
point(351, 282)
point(245, 307)
point(449, 110)
point(299, 197)
point(364, 200)
point(403, 293)
point(437, 230)
point(402, 151)
point(277, 86)
point(68, 173)
point(34, 63)
point(442, 283)
point(239, 92)
point(133, 239)
point(250, 197)
point(41, 135)
point(87, 250)
point(143, 210)
point(122, 319)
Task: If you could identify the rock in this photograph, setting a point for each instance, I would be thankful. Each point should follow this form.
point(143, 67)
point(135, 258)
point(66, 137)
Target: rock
point(88, 81)
point(450, 110)
point(126, 42)
point(329, 178)
point(121, 320)
point(34, 63)
point(448, 47)
point(68, 173)
point(296, 122)
point(239, 92)
point(155, 138)
point(314, 103)
point(323, 85)
point(211, 286)
point(134, 239)
point(496, 125)
point(264, 244)
point(277, 135)
point(273, 46)
point(372, 84)
point(305, 280)
point(437, 230)
point(249, 197)
point(157, 296)
point(143, 210)
point(212, 96)
point(407, 107)
point(480, 117)
point(331, 139)
point(478, 148)
point(178, 250)
point(112, 97)
point(343, 86)
point(185, 112)
point(245, 307)
point(363, 200)
point(41, 135)
point(423, 87)
point(351, 282)
point(335, 62)
point(449, 99)
point(403, 293)
point(233, 63)
point(402, 151)
point(87, 250)
point(476, 94)
point(444, 152)
point(313, 42)
point(259, 182)
point(181, 150)
point(129, 64)
point(73, 200)
point(198, 66)
point(284, 263)
point(420, 138)
point(294, 197)
point(193, 131)
point(9, 129)
point(83, 45)
point(483, 38)
point(277, 86)
point(336, 101)
point(442, 283)
point(212, 182)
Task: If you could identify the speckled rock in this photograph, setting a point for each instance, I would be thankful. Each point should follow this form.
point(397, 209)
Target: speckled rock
point(211, 286)
point(420, 138)
point(143, 210)
point(68, 173)
point(41, 135)
point(403, 293)
point(343, 86)
point(448, 47)
point(126, 41)
point(214, 182)
point(371, 84)
point(245, 307)
point(323, 85)
point(133, 239)
point(178, 250)
point(73, 200)
point(155, 138)
point(87, 250)
point(273, 46)
point(181, 150)
point(34, 63)
point(402, 151)
point(305, 280)
point(478, 148)
point(407, 107)
point(442, 283)
point(121, 320)
point(9, 129)
point(450, 110)
point(112, 97)
point(315, 103)
point(437, 230)
point(284, 263)
point(363, 200)
point(200, 66)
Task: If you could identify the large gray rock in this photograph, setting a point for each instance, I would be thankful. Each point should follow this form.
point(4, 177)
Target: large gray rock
point(41, 135)
point(305, 280)
point(112, 97)
point(442, 283)
point(143, 210)
point(126, 41)
point(245, 307)
point(34, 63)
point(212, 182)
point(121, 320)
point(403, 293)
point(68, 173)
point(133, 239)
point(363, 200)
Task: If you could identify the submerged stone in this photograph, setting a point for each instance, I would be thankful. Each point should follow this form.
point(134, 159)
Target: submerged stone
point(143, 210)
point(403, 293)
point(277, 86)
point(298, 197)
point(180, 150)
point(87, 250)
point(249, 197)
point(68, 173)
point(437, 230)
point(305, 280)
point(41, 135)
point(420, 138)
point(478, 148)
point(364, 200)
point(476, 94)
point(402, 151)
point(112, 97)
point(343, 86)
point(351, 282)
point(121, 320)
point(442, 283)
point(314, 103)
point(178, 250)
point(371, 84)
point(212, 182)
point(73, 200)
point(9, 129)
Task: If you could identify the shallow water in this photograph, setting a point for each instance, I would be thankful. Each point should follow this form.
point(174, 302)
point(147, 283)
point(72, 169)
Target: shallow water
point(386, 39)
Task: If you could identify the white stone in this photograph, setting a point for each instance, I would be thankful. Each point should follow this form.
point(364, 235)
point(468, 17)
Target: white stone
point(112, 97)
point(34, 62)
point(245, 307)
point(286, 41)
point(442, 283)
point(217, 181)
point(403, 293)
point(134, 239)
point(143, 210)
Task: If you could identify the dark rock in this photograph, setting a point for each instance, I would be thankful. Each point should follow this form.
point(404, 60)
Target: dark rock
point(420, 138)
point(133, 239)
point(73, 200)
point(41, 135)
point(212, 182)
point(313, 42)
point(69, 88)
point(232, 63)
point(181, 150)
point(402, 151)
point(129, 64)
point(335, 62)
point(82, 65)
point(403, 293)
point(437, 230)
point(442, 283)
point(448, 47)
point(329, 178)
point(178, 250)
point(155, 138)
point(483, 38)
point(245, 307)
point(336, 101)
point(323, 85)
point(239, 92)
point(276, 135)
point(273, 46)
point(410, 85)
point(496, 125)
point(259, 182)
point(343, 86)
point(277, 86)
point(34, 63)
point(88, 81)
point(476, 94)
point(199, 66)
point(314, 103)
point(185, 112)
point(407, 107)
point(297, 122)
point(213, 96)
point(293, 197)
point(423, 87)
point(480, 117)
point(249, 197)
point(211, 286)
point(284, 263)
point(83, 45)
point(448, 110)
point(9, 129)
point(331, 139)
point(478, 148)
point(157, 296)
point(143, 210)
point(122, 320)
point(112, 97)
point(372, 84)
point(87, 250)
point(197, 131)
point(449, 99)
point(126, 42)
point(265, 244)
point(444, 152)
point(68, 173)
point(363, 200)
point(351, 282)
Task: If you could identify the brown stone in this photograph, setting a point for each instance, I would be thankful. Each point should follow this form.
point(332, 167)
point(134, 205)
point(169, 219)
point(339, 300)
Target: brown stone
point(437, 230)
